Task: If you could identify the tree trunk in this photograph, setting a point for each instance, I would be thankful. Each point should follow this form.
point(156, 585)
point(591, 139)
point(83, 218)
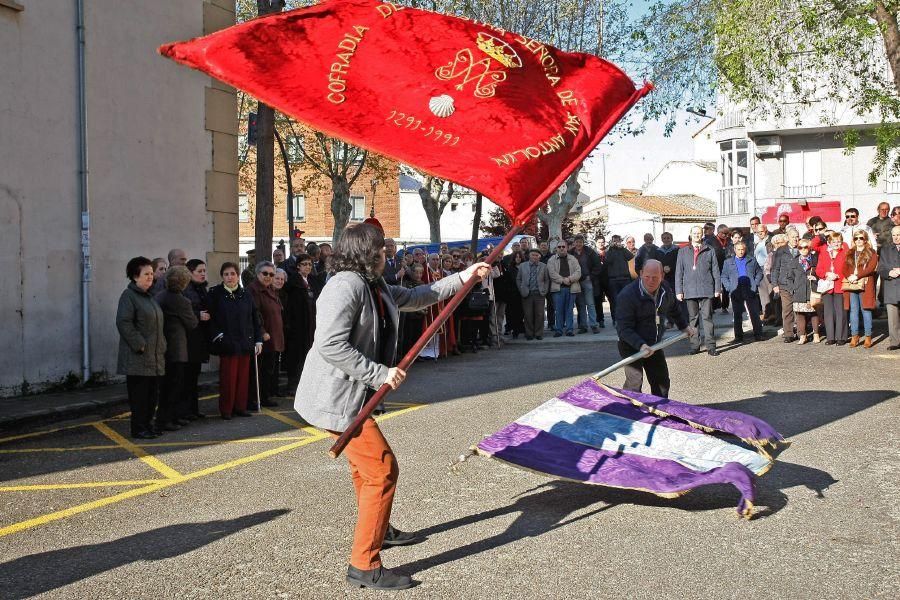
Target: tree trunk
point(476, 223)
point(265, 182)
point(265, 164)
point(559, 205)
point(432, 213)
point(891, 35)
point(340, 206)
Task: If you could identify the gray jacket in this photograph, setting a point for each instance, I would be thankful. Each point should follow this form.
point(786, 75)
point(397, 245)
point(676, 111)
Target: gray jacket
point(343, 363)
point(556, 278)
point(543, 278)
point(142, 346)
point(890, 259)
point(700, 281)
point(179, 320)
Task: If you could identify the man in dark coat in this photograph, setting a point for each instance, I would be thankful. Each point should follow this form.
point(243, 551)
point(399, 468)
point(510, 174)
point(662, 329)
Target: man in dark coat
point(721, 245)
point(393, 267)
point(697, 282)
point(641, 312)
point(646, 252)
point(889, 270)
point(617, 271)
point(781, 265)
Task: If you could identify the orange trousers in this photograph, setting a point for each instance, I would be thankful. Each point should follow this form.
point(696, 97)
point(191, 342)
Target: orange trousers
point(374, 470)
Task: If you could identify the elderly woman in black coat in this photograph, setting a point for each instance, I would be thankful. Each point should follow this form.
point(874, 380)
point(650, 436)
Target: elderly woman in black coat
point(198, 338)
point(179, 320)
point(142, 346)
point(800, 279)
point(236, 334)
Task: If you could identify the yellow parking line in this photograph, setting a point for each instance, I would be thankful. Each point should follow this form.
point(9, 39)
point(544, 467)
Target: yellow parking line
point(148, 459)
point(74, 486)
point(71, 449)
point(292, 422)
point(23, 436)
point(397, 413)
point(162, 484)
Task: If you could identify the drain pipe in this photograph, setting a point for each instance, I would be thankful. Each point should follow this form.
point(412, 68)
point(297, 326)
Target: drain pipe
point(84, 198)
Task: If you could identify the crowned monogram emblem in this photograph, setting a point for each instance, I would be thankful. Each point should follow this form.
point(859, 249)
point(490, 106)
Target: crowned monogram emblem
point(484, 70)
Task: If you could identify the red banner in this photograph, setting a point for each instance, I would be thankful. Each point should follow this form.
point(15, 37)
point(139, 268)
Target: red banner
point(491, 110)
point(829, 210)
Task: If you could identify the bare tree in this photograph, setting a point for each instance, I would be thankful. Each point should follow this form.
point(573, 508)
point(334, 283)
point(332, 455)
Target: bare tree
point(559, 205)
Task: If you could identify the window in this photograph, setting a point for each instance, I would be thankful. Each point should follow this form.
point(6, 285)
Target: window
point(453, 206)
point(359, 208)
point(298, 205)
point(734, 166)
point(802, 174)
point(294, 148)
point(243, 208)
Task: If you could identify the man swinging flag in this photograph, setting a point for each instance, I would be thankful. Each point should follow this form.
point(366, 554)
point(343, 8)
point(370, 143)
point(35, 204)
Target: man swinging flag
point(497, 112)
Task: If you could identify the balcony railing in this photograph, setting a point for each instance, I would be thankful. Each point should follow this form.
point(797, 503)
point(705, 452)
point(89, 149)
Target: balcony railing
point(731, 119)
point(802, 191)
point(733, 201)
point(892, 187)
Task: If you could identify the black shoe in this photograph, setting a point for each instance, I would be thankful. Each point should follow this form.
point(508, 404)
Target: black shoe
point(695, 351)
point(557, 334)
point(529, 337)
point(144, 435)
point(712, 352)
point(841, 342)
point(789, 339)
point(269, 403)
point(582, 330)
point(570, 333)
point(595, 329)
point(242, 413)
point(893, 347)
point(378, 579)
point(171, 426)
point(540, 337)
point(183, 421)
point(830, 342)
point(759, 337)
point(739, 340)
point(395, 537)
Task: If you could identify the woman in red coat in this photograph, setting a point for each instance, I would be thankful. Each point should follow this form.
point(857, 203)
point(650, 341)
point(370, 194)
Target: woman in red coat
point(859, 268)
point(831, 269)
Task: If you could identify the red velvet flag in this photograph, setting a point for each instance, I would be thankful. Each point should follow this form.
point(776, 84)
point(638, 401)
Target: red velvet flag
point(486, 108)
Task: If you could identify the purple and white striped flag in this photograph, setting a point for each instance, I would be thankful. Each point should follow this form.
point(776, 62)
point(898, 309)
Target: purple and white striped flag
point(605, 436)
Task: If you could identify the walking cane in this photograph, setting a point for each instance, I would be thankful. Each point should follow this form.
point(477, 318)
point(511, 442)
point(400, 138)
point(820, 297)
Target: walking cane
point(256, 372)
point(639, 355)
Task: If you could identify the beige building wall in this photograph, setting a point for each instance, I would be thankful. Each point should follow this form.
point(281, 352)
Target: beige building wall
point(162, 162)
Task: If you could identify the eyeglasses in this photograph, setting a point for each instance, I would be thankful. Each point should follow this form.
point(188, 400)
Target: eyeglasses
point(819, 229)
point(306, 263)
point(851, 216)
point(804, 247)
point(267, 273)
point(859, 238)
point(561, 247)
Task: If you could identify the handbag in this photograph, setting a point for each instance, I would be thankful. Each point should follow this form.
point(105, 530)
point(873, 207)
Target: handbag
point(478, 302)
point(824, 286)
point(855, 286)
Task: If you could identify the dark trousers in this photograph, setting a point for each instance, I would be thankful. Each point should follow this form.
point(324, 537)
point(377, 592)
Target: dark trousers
point(274, 383)
point(601, 292)
point(787, 312)
point(655, 367)
point(295, 356)
point(835, 317)
point(615, 286)
point(701, 309)
point(741, 298)
point(551, 312)
point(142, 398)
point(265, 363)
point(533, 307)
point(172, 400)
point(191, 385)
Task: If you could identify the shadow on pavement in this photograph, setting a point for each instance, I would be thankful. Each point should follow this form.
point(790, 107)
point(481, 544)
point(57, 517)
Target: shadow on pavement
point(40, 573)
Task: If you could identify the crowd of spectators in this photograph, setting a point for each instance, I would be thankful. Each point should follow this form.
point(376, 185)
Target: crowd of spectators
point(822, 284)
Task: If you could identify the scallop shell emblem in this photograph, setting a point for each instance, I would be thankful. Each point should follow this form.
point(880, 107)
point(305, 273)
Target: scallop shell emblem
point(442, 106)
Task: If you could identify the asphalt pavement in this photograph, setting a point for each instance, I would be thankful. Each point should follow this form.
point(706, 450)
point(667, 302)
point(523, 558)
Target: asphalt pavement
point(255, 508)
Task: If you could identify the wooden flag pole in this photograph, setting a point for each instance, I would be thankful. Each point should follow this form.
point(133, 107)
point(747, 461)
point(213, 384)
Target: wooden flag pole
point(413, 353)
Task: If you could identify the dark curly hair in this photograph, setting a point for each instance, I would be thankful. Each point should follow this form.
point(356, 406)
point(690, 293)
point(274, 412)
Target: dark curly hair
point(359, 250)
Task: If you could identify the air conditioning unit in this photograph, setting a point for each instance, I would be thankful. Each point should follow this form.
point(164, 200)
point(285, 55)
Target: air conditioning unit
point(767, 144)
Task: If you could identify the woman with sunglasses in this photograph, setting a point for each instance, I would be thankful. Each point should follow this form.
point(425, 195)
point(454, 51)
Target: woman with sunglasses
point(859, 286)
point(801, 282)
point(830, 268)
point(268, 304)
